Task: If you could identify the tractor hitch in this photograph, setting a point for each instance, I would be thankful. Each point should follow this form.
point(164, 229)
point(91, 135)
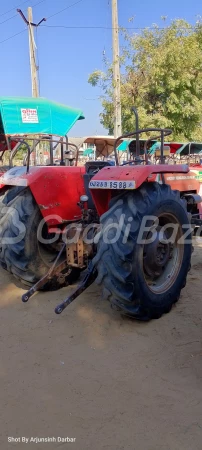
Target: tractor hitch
point(41, 283)
point(54, 270)
point(87, 281)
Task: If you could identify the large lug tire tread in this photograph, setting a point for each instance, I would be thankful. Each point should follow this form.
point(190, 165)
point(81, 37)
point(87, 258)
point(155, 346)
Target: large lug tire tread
point(23, 258)
point(118, 264)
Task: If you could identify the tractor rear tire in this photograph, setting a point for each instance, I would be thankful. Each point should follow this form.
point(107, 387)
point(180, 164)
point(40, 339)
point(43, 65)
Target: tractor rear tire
point(20, 250)
point(143, 280)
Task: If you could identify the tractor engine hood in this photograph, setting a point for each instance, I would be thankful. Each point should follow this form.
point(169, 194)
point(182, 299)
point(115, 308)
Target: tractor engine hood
point(56, 190)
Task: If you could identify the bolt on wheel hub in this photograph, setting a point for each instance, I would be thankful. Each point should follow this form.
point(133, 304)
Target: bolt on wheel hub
point(157, 254)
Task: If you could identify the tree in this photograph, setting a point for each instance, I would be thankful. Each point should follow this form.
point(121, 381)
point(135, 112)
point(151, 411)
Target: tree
point(162, 76)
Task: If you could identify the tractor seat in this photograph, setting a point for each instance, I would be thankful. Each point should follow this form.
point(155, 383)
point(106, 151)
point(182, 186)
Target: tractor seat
point(92, 167)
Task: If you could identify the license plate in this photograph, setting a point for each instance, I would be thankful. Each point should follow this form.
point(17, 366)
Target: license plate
point(115, 184)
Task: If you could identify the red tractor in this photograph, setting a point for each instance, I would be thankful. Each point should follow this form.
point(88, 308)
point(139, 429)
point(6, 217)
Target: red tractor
point(38, 202)
point(125, 236)
point(29, 194)
point(128, 225)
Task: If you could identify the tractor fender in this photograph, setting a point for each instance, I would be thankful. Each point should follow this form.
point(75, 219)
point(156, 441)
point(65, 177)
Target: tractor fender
point(110, 179)
point(56, 189)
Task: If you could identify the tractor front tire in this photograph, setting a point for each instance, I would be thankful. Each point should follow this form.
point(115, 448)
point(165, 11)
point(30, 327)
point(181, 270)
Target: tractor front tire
point(20, 251)
point(143, 279)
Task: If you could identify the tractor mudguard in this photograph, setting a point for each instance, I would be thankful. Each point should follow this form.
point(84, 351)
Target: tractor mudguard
point(110, 179)
point(56, 189)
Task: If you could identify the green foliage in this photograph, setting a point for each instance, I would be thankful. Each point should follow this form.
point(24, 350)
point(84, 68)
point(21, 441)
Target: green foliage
point(162, 76)
point(18, 159)
point(95, 77)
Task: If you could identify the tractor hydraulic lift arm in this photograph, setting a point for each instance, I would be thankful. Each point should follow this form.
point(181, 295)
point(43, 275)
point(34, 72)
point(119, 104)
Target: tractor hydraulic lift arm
point(88, 280)
point(52, 271)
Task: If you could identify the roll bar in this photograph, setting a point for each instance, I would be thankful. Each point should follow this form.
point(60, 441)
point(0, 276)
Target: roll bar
point(36, 141)
point(163, 132)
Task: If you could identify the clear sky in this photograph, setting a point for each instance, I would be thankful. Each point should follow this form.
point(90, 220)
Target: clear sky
point(68, 55)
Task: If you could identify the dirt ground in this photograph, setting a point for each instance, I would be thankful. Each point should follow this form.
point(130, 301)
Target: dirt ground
point(109, 382)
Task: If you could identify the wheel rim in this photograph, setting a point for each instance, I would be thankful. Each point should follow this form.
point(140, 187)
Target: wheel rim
point(162, 258)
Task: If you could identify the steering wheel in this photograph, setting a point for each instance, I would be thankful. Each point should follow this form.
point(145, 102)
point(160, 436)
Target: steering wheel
point(134, 162)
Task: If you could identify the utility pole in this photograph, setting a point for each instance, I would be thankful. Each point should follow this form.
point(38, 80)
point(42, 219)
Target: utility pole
point(32, 48)
point(116, 71)
point(32, 54)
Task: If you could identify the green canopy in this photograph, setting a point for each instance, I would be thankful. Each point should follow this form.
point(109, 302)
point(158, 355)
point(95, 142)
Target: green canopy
point(154, 147)
point(88, 151)
point(123, 146)
point(24, 115)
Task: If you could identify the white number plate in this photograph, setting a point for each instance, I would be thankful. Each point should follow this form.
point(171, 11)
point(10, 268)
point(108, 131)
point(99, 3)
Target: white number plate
point(115, 184)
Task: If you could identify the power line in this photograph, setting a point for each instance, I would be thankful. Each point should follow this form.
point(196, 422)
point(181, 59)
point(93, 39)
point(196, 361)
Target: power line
point(36, 4)
point(67, 7)
point(15, 15)
point(94, 28)
point(41, 1)
point(10, 37)
point(17, 6)
point(108, 16)
point(8, 19)
point(110, 28)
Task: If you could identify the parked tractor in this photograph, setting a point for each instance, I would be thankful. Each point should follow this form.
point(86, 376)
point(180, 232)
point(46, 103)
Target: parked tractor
point(114, 223)
point(39, 195)
point(29, 194)
point(125, 237)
